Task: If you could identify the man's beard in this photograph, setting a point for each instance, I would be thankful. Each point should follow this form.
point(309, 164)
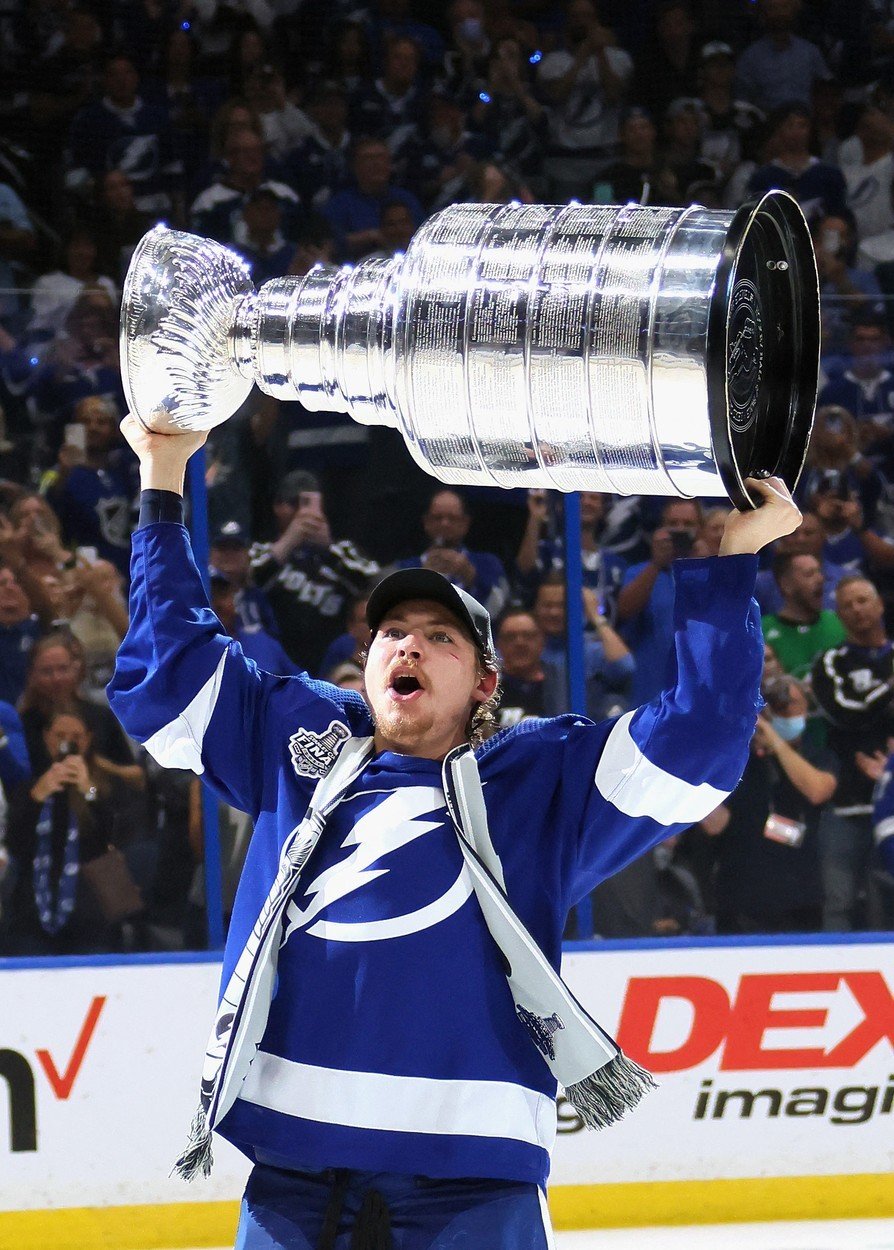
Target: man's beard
point(400, 725)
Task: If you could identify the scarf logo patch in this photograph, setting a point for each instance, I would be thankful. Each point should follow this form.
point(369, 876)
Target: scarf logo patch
point(541, 1029)
point(314, 754)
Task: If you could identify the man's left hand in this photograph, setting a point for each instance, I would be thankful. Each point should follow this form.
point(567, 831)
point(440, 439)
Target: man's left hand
point(745, 533)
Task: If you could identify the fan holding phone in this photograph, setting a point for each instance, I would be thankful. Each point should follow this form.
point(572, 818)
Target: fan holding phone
point(645, 601)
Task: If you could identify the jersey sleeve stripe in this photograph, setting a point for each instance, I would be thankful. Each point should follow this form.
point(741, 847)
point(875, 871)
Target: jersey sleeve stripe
point(636, 786)
point(179, 743)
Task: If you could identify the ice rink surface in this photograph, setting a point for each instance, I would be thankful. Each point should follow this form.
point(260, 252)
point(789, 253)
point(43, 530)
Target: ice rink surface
point(800, 1235)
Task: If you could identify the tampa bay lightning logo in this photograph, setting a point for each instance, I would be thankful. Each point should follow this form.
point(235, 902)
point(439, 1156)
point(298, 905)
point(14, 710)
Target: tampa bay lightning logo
point(359, 898)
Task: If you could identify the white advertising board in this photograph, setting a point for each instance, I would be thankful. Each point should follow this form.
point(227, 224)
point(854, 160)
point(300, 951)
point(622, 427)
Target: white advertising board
point(771, 1061)
point(97, 1105)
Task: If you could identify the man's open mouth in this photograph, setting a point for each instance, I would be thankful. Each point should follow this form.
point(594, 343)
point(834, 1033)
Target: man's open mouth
point(404, 685)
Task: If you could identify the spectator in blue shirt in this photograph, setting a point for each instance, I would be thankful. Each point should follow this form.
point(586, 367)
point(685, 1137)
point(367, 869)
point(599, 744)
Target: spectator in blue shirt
point(835, 468)
point(446, 523)
point(230, 558)
point(319, 165)
point(82, 361)
point(215, 211)
point(646, 600)
point(608, 664)
point(15, 768)
point(847, 293)
point(350, 646)
point(865, 387)
point(94, 486)
point(256, 643)
point(819, 188)
point(391, 107)
point(780, 66)
point(15, 764)
point(355, 214)
point(122, 131)
point(394, 20)
point(542, 550)
point(19, 630)
point(258, 236)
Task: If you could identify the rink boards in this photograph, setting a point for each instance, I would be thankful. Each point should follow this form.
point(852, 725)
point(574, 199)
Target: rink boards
point(775, 1065)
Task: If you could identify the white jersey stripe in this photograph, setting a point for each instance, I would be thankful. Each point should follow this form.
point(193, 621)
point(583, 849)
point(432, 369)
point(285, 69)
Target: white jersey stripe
point(884, 829)
point(637, 787)
point(179, 743)
point(401, 1104)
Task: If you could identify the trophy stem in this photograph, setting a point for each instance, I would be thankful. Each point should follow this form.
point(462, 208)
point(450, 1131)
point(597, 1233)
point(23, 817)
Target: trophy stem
point(239, 342)
point(325, 340)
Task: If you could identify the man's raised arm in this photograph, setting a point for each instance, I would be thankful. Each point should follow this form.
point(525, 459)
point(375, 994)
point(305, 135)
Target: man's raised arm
point(181, 686)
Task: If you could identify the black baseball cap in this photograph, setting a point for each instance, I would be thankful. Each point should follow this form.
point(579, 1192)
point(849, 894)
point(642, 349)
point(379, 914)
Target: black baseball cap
point(427, 584)
point(231, 533)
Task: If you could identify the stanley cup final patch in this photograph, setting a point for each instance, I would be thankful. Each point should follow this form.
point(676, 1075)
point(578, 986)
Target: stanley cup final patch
point(313, 754)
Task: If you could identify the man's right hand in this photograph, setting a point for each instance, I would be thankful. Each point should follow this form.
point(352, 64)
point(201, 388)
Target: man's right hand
point(162, 457)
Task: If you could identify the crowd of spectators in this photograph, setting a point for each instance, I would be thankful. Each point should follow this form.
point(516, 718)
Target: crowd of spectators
point(307, 131)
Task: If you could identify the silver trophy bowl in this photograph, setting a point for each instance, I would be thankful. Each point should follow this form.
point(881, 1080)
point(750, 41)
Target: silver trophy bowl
point(579, 347)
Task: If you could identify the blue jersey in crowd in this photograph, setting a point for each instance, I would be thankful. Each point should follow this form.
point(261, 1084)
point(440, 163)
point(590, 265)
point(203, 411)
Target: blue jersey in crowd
point(392, 1043)
point(96, 507)
point(16, 643)
point(490, 586)
point(15, 764)
point(650, 635)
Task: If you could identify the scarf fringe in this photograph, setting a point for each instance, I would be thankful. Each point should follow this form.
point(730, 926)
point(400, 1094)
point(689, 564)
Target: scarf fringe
point(603, 1097)
point(197, 1157)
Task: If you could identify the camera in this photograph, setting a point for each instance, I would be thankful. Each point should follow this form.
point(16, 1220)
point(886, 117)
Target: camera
point(66, 749)
point(682, 543)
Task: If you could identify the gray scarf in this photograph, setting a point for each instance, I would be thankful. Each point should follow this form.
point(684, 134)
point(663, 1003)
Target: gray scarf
point(599, 1081)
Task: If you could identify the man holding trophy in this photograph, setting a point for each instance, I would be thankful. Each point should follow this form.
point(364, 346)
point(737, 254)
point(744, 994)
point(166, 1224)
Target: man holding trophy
point(392, 1027)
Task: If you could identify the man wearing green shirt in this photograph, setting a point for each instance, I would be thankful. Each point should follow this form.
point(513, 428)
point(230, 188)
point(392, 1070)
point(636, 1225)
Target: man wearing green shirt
point(802, 628)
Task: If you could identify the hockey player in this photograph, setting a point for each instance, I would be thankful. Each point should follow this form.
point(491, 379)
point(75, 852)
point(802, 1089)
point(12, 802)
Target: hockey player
point(392, 1027)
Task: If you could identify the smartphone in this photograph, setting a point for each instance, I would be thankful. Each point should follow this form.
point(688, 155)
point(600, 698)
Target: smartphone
point(311, 499)
point(682, 543)
point(75, 435)
point(88, 554)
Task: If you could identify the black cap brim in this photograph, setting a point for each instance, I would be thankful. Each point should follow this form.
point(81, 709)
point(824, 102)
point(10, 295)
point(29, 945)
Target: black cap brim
point(419, 583)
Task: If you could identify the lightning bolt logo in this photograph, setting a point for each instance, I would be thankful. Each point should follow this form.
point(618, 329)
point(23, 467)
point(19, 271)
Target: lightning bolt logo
point(391, 824)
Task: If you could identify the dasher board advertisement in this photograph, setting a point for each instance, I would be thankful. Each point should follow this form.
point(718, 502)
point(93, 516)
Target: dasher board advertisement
point(772, 1061)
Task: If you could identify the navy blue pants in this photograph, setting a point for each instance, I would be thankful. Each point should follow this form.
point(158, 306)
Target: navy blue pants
point(285, 1210)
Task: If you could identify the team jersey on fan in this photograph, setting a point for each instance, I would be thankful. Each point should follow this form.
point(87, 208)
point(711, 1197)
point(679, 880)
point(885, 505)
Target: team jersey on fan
point(392, 1042)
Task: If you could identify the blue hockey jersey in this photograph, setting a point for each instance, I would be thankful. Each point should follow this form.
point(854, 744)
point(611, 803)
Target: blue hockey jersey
point(392, 1043)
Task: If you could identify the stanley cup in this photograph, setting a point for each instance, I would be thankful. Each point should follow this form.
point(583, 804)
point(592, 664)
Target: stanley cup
point(658, 351)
